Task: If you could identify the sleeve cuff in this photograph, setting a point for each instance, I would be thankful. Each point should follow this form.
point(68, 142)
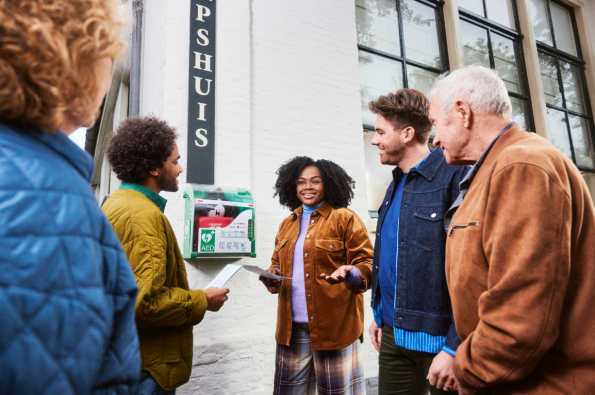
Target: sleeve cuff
point(199, 306)
point(449, 351)
point(354, 278)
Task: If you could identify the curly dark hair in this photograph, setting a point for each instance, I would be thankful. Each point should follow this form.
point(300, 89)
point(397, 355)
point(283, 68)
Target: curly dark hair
point(139, 145)
point(338, 186)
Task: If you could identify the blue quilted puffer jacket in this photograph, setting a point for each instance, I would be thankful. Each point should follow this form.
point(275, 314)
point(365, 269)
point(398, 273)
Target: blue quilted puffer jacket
point(67, 293)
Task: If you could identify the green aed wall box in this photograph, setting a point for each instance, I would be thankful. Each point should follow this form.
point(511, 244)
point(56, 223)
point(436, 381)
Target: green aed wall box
point(218, 222)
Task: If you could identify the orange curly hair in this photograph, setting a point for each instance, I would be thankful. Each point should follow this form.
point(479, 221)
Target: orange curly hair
point(49, 50)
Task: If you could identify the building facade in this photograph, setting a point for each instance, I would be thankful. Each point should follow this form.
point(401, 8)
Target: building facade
point(294, 78)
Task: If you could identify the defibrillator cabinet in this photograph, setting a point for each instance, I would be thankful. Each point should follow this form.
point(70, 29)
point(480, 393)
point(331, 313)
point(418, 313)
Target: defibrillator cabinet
point(219, 222)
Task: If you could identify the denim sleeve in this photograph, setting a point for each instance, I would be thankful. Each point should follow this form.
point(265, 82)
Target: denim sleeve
point(452, 340)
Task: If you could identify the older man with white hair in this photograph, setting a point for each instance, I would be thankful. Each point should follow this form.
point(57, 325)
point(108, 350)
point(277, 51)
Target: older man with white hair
point(520, 254)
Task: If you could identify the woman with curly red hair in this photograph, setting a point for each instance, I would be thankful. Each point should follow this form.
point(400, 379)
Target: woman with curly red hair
point(67, 293)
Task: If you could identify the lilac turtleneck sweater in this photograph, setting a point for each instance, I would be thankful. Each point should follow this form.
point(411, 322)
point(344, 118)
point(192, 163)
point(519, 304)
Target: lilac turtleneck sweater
point(299, 309)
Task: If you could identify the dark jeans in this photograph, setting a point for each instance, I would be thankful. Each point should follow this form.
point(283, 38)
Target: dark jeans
point(403, 371)
point(148, 386)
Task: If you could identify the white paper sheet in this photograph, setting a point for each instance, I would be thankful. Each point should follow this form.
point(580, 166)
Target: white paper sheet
point(224, 275)
point(230, 269)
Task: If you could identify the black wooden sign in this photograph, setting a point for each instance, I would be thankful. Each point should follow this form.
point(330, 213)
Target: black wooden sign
point(201, 93)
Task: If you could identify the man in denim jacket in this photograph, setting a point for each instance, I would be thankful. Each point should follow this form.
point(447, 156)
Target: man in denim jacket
point(412, 311)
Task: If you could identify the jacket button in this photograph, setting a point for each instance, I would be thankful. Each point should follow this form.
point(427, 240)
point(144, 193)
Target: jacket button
point(378, 234)
point(306, 254)
point(312, 221)
point(311, 318)
point(433, 215)
point(309, 296)
point(386, 204)
point(307, 237)
point(331, 247)
point(314, 214)
point(376, 267)
point(400, 318)
point(307, 276)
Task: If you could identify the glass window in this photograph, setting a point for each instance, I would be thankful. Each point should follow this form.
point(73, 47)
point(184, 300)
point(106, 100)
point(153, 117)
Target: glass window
point(378, 25)
point(582, 139)
point(500, 11)
point(378, 76)
point(401, 45)
point(549, 76)
point(378, 176)
point(572, 87)
point(541, 22)
point(421, 79)
point(475, 44)
point(563, 31)
point(559, 130)
point(570, 119)
point(475, 6)
point(500, 49)
point(505, 62)
point(421, 33)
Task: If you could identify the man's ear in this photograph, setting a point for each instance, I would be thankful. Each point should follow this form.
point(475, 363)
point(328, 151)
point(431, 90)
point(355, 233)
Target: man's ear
point(408, 134)
point(463, 112)
point(154, 172)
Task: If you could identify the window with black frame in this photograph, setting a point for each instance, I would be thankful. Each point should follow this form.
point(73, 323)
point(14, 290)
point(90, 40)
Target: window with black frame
point(491, 37)
point(563, 74)
point(402, 44)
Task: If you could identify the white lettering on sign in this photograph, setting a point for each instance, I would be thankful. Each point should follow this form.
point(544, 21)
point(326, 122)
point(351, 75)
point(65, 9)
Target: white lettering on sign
point(202, 11)
point(197, 86)
point(203, 139)
point(206, 62)
point(203, 33)
point(201, 111)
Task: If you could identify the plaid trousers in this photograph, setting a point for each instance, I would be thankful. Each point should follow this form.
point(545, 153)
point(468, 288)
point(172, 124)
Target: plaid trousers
point(301, 371)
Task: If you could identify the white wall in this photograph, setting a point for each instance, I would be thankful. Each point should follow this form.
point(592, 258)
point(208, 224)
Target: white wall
point(287, 84)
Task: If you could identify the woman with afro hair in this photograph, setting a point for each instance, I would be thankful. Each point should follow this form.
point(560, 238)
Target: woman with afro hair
point(320, 322)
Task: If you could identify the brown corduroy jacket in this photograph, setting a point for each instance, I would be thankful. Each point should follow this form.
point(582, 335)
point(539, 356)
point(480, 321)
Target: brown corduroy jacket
point(335, 237)
point(520, 265)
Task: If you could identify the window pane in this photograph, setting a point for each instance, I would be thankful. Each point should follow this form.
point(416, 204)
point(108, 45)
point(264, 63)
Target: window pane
point(505, 62)
point(378, 176)
point(473, 6)
point(520, 112)
point(541, 24)
point(549, 76)
point(420, 79)
point(563, 29)
point(378, 25)
point(558, 131)
point(581, 141)
point(572, 87)
point(501, 11)
point(475, 44)
point(378, 76)
point(421, 33)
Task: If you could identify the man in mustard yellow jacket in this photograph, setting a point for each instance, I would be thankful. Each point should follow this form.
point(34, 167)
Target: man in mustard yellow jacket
point(144, 156)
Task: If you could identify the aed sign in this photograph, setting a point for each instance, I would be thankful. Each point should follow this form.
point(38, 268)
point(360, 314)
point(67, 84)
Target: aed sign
point(201, 93)
point(207, 240)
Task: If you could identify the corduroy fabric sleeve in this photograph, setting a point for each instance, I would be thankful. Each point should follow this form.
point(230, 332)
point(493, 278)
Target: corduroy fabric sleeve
point(527, 246)
point(157, 304)
point(359, 251)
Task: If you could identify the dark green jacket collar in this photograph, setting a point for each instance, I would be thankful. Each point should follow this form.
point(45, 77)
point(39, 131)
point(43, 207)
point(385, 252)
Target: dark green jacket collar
point(159, 200)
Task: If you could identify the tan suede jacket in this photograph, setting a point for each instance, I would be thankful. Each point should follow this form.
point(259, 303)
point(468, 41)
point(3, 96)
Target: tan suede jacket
point(520, 265)
point(335, 238)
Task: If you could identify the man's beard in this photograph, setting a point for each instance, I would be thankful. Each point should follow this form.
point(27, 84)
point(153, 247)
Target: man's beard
point(396, 156)
point(167, 182)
